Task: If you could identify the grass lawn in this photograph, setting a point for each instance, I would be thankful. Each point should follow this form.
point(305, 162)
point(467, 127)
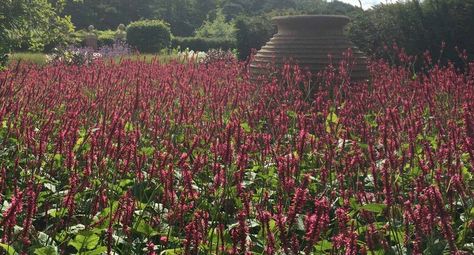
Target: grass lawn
point(40, 58)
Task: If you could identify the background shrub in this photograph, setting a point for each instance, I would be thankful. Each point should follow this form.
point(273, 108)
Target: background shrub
point(203, 44)
point(253, 33)
point(106, 38)
point(149, 35)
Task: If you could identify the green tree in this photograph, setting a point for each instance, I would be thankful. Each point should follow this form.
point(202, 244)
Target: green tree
point(417, 26)
point(31, 24)
point(107, 14)
point(217, 28)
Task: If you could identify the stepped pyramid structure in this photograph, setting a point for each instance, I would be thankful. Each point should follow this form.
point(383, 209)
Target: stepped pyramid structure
point(309, 40)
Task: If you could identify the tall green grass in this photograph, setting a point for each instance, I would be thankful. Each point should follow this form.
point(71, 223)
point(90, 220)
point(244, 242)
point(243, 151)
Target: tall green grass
point(28, 57)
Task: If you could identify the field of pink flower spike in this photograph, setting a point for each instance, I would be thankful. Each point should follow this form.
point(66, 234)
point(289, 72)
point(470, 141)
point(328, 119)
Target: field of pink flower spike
point(149, 158)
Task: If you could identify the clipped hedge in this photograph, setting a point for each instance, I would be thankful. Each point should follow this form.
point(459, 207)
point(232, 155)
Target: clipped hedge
point(104, 37)
point(202, 44)
point(149, 35)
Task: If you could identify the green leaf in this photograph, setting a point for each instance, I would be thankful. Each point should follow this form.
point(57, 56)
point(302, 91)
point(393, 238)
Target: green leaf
point(466, 174)
point(377, 252)
point(87, 241)
point(352, 203)
point(323, 245)
point(397, 235)
point(55, 213)
point(371, 120)
point(8, 249)
point(272, 225)
point(43, 238)
point(436, 247)
point(97, 251)
point(331, 121)
point(146, 229)
point(50, 186)
point(175, 251)
point(300, 222)
point(128, 127)
point(48, 250)
point(125, 183)
point(245, 126)
point(147, 151)
point(292, 114)
point(78, 144)
point(374, 207)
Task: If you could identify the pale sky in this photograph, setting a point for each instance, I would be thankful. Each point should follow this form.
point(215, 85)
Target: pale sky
point(365, 3)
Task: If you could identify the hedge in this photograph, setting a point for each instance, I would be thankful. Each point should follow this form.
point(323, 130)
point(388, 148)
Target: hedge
point(104, 37)
point(149, 35)
point(202, 44)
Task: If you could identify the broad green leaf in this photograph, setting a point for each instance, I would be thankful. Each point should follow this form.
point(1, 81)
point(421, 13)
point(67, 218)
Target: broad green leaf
point(374, 207)
point(147, 151)
point(8, 249)
point(50, 186)
point(58, 157)
point(352, 203)
point(371, 120)
point(97, 251)
point(55, 213)
point(146, 229)
point(85, 242)
point(466, 174)
point(245, 126)
point(78, 144)
point(436, 247)
point(272, 225)
point(292, 114)
point(323, 245)
point(43, 238)
point(125, 183)
point(48, 250)
point(128, 127)
point(331, 121)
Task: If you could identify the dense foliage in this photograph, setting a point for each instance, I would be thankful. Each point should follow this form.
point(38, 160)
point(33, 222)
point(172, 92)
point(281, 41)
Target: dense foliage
point(31, 24)
point(136, 158)
point(253, 33)
point(149, 35)
point(184, 16)
point(417, 26)
point(217, 28)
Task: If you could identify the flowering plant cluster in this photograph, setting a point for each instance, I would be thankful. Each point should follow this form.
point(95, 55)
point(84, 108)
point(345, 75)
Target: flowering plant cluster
point(151, 158)
point(188, 55)
point(83, 56)
point(215, 55)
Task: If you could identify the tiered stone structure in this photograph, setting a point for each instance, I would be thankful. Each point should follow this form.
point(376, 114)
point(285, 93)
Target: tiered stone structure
point(308, 40)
